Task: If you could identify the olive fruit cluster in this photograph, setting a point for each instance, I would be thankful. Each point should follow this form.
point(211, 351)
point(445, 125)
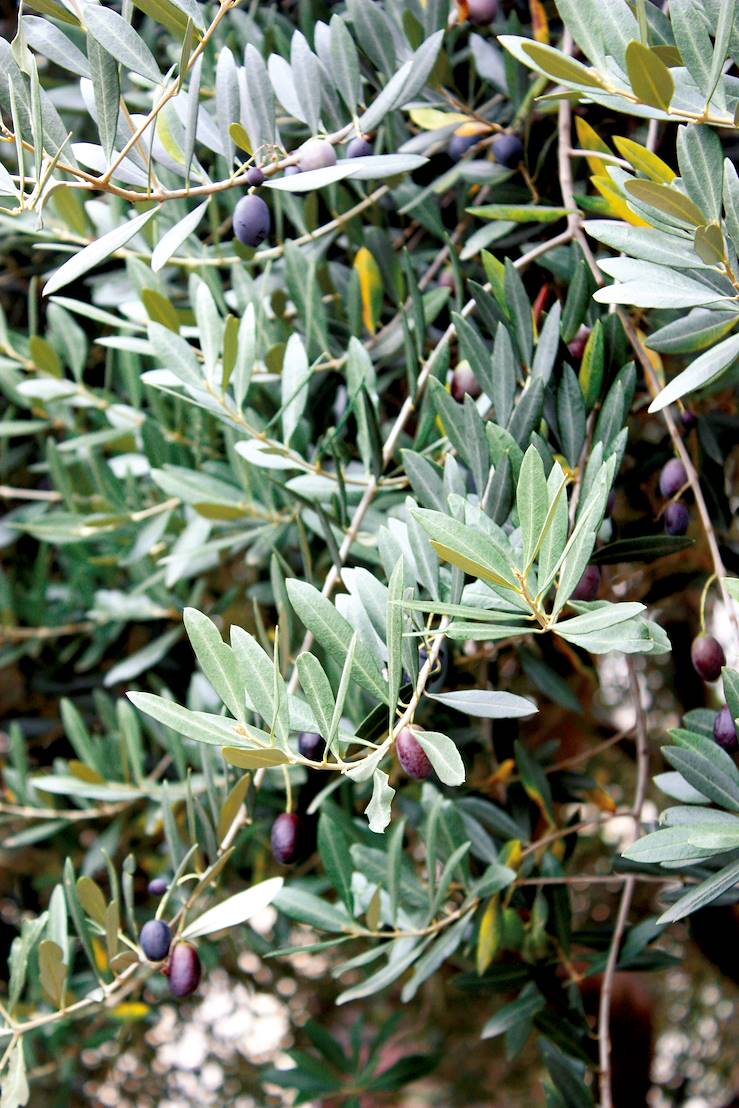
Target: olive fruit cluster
point(181, 962)
point(673, 478)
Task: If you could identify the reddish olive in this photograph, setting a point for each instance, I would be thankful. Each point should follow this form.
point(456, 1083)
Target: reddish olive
point(185, 970)
point(482, 12)
point(708, 658)
point(724, 731)
point(284, 838)
point(412, 756)
point(578, 344)
point(464, 383)
point(588, 585)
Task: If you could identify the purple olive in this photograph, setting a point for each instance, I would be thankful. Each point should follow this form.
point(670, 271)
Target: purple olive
point(611, 502)
point(316, 154)
point(184, 970)
point(677, 518)
point(578, 344)
point(673, 477)
point(482, 11)
point(688, 419)
point(588, 585)
point(464, 383)
point(284, 838)
point(291, 170)
point(446, 279)
point(310, 745)
point(158, 886)
point(251, 220)
point(708, 658)
point(155, 939)
point(459, 145)
point(359, 148)
point(255, 177)
point(724, 731)
point(508, 151)
point(412, 756)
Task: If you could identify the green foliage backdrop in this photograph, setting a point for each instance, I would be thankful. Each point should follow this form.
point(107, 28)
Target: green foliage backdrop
point(250, 496)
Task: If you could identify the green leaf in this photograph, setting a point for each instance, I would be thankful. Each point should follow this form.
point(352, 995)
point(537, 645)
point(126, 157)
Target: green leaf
point(523, 1009)
point(476, 553)
point(317, 688)
point(519, 214)
point(552, 63)
point(335, 633)
point(235, 910)
point(96, 252)
point(704, 893)
point(648, 75)
point(642, 548)
point(443, 755)
point(706, 775)
point(307, 908)
point(121, 41)
point(107, 93)
point(260, 677)
point(701, 372)
point(333, 847)
point(255, 759)
point(668, 200)
point(487, 704)
point(217, 661)
point(378, 811)
point(52, 971)
point(172, 240)
point(532, 503)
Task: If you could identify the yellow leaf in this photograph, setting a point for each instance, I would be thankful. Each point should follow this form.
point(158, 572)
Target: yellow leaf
point(503, 772)
point(539, 21)
point(511, 854)
point(653, 356)
point(602, 800)
point(616, 203)
point(488, 940)
point(429, 119)
point(130, 1011)
point(167, 121)
point(589, 139)
point(101, 955)
point(645, 161)
point(370, 285)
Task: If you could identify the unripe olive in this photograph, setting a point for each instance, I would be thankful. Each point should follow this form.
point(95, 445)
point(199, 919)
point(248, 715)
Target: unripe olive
point(184, 970)
point(310, 745)
point(708, 658)
point(251, 220)
point(412, 756)
point(482, 11)
point(588, 585)
point(359, 148)
point(155, 939)
point(254, 176)
point(673, 477)
point(677, 518)
point(284, 838)
point(724, 731)
point(464, 383)
point(507, 151)
point(316, 154)
point(158, 886)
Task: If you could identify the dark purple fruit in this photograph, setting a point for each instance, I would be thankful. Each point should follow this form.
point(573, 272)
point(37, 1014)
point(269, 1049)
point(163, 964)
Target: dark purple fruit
point(464, 383)
point(185, 970)
point(588, 585)
point(611, 502)
point(359, 148)
point(285, 838)
point(255, 177)
point(508, 151)
point(459, 145)
point(412, 756)
point(316, 154)
point(310, 745)
point(724, 731)
point(291, 170)
point(158, 886)
point(677, 518)
point(688, 419)
point(155, 939)
point(251, 220)
point(578, 344)
point(482, 11)
point(708, 658)
point(673, 477)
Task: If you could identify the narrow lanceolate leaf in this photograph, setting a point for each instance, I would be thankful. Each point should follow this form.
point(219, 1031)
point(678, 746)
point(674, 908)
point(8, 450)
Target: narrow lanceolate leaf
point(345, 63)
point(556, 65)
point(371, 287)
point(701, 895)
point(700, 372)
point(227, 100)
point(668, 200)
point(394, 627)
point(317, 688)
point(263, 682)
point(121, 41)
point(295, 377)
point(52, 971)
point(443, 755)
point(216, 660)
point(106, 90)
point(650, 78)
point(473, 551)
point(333, 846)
point(172, 240)
point(96, 252)
point(487, 704)
point(236, 910)
point(335, 633)
point(259, 103)
point(532, 502)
